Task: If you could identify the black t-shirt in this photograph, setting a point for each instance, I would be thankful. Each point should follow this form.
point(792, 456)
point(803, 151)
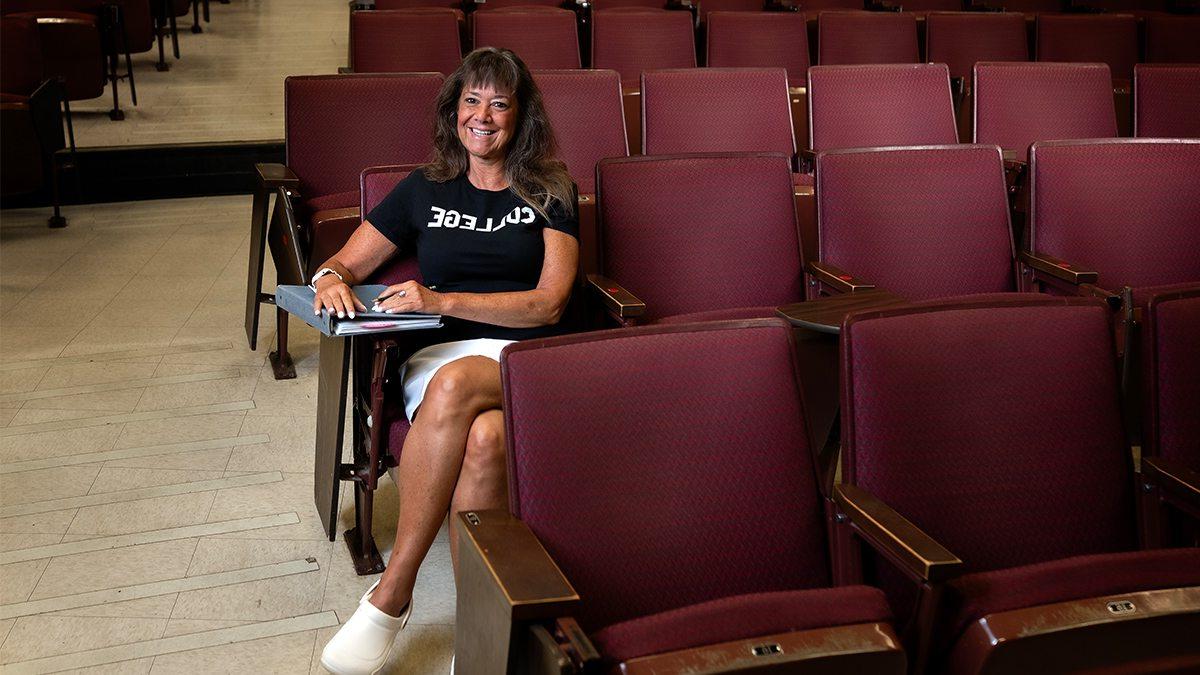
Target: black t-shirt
point(469, 240)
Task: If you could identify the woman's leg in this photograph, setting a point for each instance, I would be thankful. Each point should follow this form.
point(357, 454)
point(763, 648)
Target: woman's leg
point(483, 481)
point(429, 468)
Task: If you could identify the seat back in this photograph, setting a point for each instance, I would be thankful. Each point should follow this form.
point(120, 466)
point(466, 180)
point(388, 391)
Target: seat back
point(1032, 6)
point(405, 41)
point(754, 6)
point(1090, 38)
point(759, 40)
point(1125, 208)
point(694, 474)
point(544, 37)
point(880, 105)
point(962, 39)
point(1019, 103)
point(993, 424)
point(417, 4)
point(632, 40)
point(21, 167)
point(1166, 101)
point(492, 5)
point(1171, 375)
point(1172, 39)
point(866, 37)
point(931, 6)
point(21, 60)
point(920, 222)
point(585, 111)
point(375, 183)
point(716, 110)
point(337, 125)
point(700, 232)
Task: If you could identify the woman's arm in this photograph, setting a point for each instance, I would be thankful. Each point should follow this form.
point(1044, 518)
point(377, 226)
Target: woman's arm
point(519, 309)
point(363, 253)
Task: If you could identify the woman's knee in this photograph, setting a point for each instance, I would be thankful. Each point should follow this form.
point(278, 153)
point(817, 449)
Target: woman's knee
point(485, 441)
point(460, 385)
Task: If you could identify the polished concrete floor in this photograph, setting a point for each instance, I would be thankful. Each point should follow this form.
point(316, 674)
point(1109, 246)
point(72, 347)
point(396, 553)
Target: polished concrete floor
point(227, 84)
point(156, 510)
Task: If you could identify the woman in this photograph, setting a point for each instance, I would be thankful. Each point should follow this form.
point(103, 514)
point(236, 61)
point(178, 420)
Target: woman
point(492, 221)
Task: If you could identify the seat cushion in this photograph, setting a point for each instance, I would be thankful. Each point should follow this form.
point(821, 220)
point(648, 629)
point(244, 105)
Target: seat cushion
point(337, 200)
point(722, 315)
point(740, 617)
point(974, 596)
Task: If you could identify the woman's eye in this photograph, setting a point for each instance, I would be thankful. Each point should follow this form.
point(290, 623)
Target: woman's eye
point(500, 106)
point(472, 100)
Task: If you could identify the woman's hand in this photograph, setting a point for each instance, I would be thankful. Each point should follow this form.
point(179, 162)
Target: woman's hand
point(334, 295)
point(408, 297)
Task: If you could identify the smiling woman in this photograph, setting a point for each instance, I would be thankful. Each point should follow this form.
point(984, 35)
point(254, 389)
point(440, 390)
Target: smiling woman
point(491, 219)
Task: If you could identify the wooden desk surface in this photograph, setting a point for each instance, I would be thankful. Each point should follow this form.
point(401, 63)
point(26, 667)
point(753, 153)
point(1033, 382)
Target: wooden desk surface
point(825, 314)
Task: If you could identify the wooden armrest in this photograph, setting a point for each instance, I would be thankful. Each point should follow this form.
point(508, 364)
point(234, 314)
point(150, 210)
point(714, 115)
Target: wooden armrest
point(1178, 482)
point(888, 532)
point(272, 176)
point(837, 279)
point(617, 300)
point(1059, 269)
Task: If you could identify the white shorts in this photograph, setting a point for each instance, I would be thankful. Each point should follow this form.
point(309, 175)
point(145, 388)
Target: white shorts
point(420, 368)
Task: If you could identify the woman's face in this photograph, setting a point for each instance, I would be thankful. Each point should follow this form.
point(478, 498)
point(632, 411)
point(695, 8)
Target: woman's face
point(487, 121)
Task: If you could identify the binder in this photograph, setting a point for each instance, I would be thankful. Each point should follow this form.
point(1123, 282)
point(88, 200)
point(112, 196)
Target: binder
point(298, 300)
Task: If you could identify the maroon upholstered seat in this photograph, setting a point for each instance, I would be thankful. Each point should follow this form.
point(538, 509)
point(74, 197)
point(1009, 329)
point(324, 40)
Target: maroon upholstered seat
point(1166, 100)
point(759, 40)
point(845, 38)
point(1172, 39)
point(920, 222)
point(417, 4)
point(21, 68)
point(716, 110)
point(492, 5)
point(962, 39)
point(645, 453)
point(630, 41)
point(544, 37)
point(1090, 38)
point(735, 248)
point(585, 110)
point(880, 105)
point(1171, 373)
point(1017, 104)
point(405, 41)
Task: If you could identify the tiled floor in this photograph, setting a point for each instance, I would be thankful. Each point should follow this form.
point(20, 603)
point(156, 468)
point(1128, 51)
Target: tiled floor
point(156, 511)
point(228, 83)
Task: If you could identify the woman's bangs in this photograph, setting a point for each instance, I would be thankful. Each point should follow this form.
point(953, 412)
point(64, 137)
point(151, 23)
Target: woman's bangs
point(495, 72)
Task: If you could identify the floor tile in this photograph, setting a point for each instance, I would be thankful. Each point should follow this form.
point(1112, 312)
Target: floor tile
point(180, 430)
point(112, 479)
point(96, 570)
point(36, 637)
point(284, 654)
point(30, 486)
point(144, 515)
point(17, 580)
point(39, 445)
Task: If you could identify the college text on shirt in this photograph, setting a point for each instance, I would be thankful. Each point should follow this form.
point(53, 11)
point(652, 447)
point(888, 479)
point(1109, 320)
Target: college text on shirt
point(451, 219)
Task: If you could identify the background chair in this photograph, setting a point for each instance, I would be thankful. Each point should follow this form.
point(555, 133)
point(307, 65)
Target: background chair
point(709, 592)
point(1172, 39)
point(1166, 100)
point(1104, 38)
point(335, 125)
point(405, 41)
point(545, 38)
point(846, 38)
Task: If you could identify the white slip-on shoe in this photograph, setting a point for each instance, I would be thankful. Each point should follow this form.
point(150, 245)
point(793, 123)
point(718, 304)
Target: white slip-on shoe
point(362, 645)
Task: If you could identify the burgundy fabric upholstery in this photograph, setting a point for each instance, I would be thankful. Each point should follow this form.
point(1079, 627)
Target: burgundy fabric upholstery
point(880, 105)
point(632, 41)
point(21, 62)
point(763, 312)
point(962, 39)
point(1171, 373)
point(974, 596)
point(741, 617)
point(71, 50)
point(21, 167)
point(417, 4)
point(491, 5)
point(920, 222)
point(337, 125)
point(723, 110)
point(1126, 208)
point(845, 38)
point(337, 200)
point(932, 5)
point(1033, 6)
point(1017, 104)
point(589, 122)
point(543, 37)
point(1166, 100)
point(670, 469)
point(736, 247)
point(759, 40)
point(993, 424)
point(710, 6)
point(1172, 39)
point(138, 17)
point(1090, 38)
point(405, 41)
point(814, 5)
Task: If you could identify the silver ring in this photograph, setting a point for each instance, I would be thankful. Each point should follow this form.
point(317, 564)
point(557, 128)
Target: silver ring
point(401, 294)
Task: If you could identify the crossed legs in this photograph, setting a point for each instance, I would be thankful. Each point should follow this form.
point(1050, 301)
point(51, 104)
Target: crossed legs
point(453, 459)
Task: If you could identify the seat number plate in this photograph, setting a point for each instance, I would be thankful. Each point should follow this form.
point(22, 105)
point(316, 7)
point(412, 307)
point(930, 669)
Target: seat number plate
point(766, 650)
point(1121, 607)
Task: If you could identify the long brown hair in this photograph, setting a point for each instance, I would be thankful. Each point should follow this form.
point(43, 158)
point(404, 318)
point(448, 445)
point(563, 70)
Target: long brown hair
point(530, 165)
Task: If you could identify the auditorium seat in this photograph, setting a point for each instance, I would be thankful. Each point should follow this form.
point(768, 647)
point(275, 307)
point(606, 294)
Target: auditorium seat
point(845, 38)
point(72, 52)
point(962, 39)
point(922, 222)
point(1172, 39)
point(924, 7)
point(417, 4)
point(405, 41)
point(585, 111)
point(490, 5)
point(992, 425)
point(695, 237)
point(335, 126)
point(632, 40)
point(544, 37)
point(1095, 38)
point(1166, 100)
point(1024, 6)
point(662, 522)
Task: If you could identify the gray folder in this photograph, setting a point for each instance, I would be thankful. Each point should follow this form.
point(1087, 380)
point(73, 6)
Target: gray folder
point(298, 300)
